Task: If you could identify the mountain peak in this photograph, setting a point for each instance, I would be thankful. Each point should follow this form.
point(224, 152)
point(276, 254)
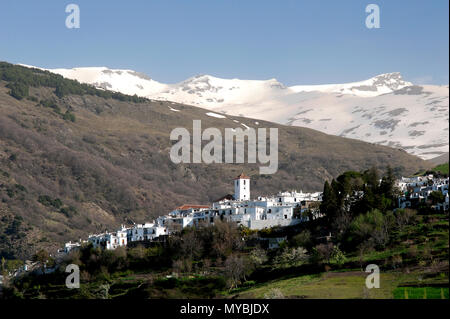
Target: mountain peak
point(391, 78)
point(387, 82)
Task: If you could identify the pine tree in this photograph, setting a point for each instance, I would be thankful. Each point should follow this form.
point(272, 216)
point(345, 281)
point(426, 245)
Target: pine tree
point(329, 205)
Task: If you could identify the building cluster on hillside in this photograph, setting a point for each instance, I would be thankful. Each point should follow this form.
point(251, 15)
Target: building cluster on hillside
point(283, 209)
point(417, 190)
point(121, 237)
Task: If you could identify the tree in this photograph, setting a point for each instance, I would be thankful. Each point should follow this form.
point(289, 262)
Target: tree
point(388, 191)
point(191, 244)
point(404, 217)
point(226, 238)
point(292, 257)
point(177, 266)
point(372, 178)
point(373, 226)
point(337, 256)
point(18, 90)
point(302, 239)
point(234, 270)
point(329, 205)
point(387, 186)
point(436, 197)
point(42, 256)
point(258, 256)
point(342, 223)
point(323, 252)
point(137, 253)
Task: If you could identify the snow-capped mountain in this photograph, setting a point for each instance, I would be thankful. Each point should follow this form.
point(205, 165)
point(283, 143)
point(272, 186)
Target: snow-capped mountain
point(381, 84)
point(384, 109)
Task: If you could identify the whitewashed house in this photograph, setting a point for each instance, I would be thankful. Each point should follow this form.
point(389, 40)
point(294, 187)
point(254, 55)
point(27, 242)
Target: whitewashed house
point(147, 231)
point(68, 247)
point(417, 189)
point(262, 212)
point(109, 240)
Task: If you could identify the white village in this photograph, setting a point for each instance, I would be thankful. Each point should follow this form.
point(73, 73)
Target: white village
point(282, 209)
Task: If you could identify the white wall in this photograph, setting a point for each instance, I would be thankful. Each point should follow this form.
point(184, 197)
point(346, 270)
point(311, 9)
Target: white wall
point(261, 224)
point(242, 189)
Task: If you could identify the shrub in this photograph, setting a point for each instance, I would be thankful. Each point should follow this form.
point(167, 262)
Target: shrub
point(404, 217)
point(337, 256)
point(18, 90)
point(436, 197)
point(302, 240)
point(68, 116)
point(49, 202)
point(21, 188)
point(413, 251)
point(292, 257)
point(322, 253)
point(396, 261)
point(68, 211)
point(373, 226)
point(32, 98)
point(274, 293)
point(10, 192)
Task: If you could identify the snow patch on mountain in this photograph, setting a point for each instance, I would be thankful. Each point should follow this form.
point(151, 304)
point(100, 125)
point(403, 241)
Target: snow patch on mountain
point(216, 115)
point(380, 84)
point(385, 109)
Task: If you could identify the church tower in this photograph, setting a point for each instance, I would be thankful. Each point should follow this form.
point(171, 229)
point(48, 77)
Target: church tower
point(242, 187)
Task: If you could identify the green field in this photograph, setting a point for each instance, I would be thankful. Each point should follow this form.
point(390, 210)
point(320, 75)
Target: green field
point(443, 168)
point(346, 285)
point(421, 293)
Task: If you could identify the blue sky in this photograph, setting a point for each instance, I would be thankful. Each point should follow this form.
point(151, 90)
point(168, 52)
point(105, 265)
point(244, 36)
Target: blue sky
point(297, 42)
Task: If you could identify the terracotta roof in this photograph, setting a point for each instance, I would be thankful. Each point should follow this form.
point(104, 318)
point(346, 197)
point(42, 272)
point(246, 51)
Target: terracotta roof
point(188, 206)
point(242, 176)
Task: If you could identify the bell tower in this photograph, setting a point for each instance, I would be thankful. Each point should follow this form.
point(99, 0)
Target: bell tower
point(242, 187)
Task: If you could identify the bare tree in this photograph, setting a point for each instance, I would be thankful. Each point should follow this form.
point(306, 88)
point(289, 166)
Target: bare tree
point(234, 270)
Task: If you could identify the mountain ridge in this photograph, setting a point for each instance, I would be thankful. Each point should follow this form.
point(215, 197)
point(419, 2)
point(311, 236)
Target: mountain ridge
point(384, 109)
